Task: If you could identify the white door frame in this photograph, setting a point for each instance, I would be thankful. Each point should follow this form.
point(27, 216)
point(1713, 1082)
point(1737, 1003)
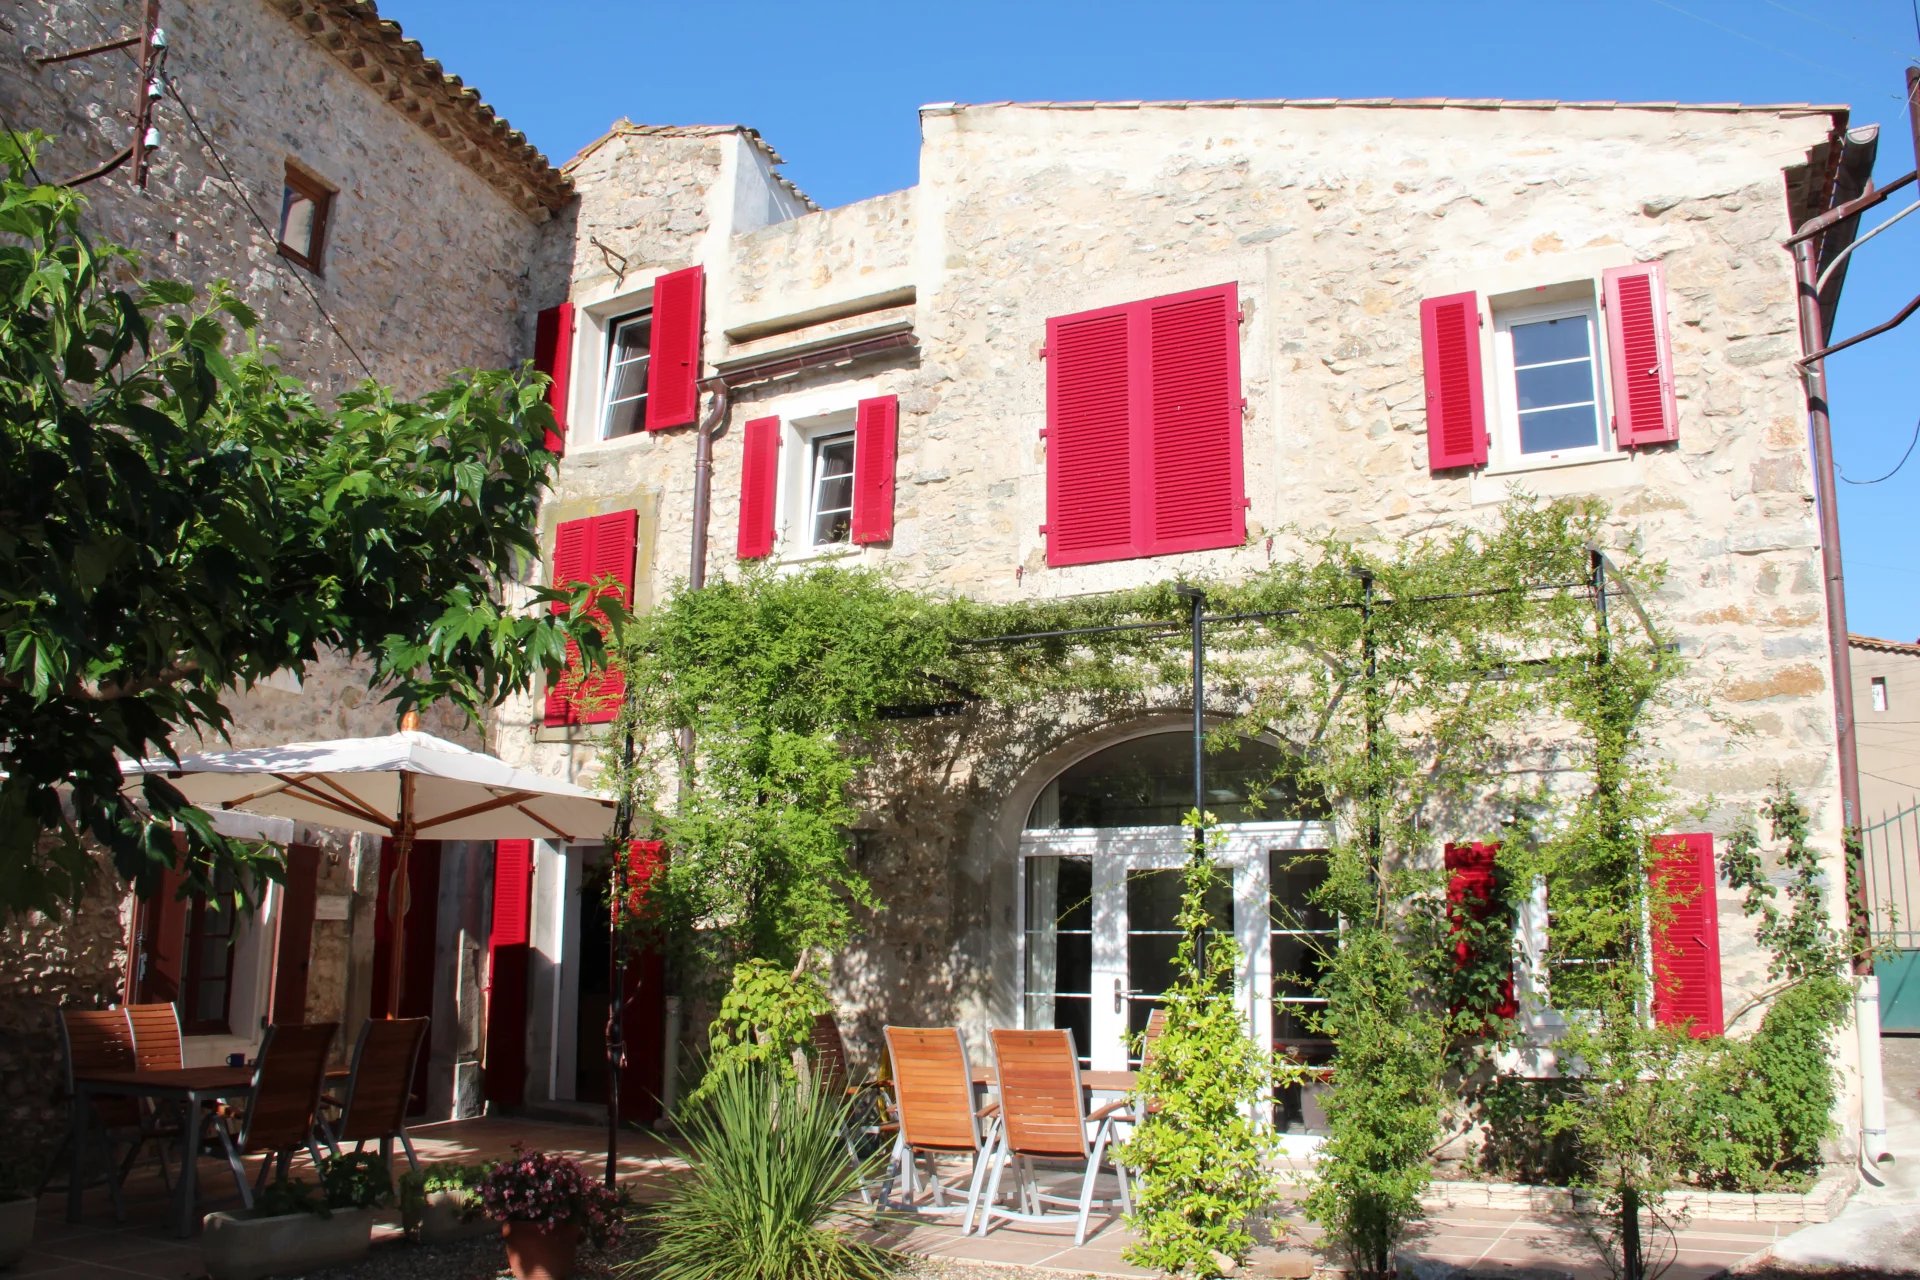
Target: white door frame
point(1114, 851)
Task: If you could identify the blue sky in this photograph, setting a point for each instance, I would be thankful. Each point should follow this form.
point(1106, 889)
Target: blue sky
point(834, 87)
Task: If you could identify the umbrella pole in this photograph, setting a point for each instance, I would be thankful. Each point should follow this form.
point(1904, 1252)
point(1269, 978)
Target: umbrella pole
point(397, 895)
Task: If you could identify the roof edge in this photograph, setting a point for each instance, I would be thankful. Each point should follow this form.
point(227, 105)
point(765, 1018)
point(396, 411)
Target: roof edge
point(1884, 646)
point(1478, 104)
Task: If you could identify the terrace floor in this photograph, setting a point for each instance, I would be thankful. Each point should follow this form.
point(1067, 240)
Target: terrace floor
point(98, 1248)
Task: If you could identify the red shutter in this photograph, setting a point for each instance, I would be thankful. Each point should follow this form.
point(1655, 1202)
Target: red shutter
point(1641, 355)
point(572, 561)
point(673, 365)
point(506, 1039)
point(643, 860)
point(1472, 895)
point(158, 954)
point(1686, 946)
point(759, 473)
point(1089, 438)
point(614, 538)
point(1456, 396)
point(553, 356)
point(874, 447)
point(1192, 436)
point(293, 952)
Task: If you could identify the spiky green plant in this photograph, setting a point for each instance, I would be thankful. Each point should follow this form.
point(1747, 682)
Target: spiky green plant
point(768, 1174)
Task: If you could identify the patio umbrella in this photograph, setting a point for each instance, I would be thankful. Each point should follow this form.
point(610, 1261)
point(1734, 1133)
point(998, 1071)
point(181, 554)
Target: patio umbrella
point(408, 785)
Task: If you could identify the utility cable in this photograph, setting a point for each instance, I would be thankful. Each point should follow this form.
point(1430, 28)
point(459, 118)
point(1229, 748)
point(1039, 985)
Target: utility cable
point(1896, 466)
point(266, 228)
point(1737, 34)
point(1848, 32)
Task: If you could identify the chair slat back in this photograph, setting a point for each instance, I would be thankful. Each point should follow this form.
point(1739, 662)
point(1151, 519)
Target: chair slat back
point(1040, 1100)
point(830, 1056)
point(383, 1063)
point(933, 1088)
point(156, 1036)
point(286, 1085)
point(100, 1040)
point(1156, 1027)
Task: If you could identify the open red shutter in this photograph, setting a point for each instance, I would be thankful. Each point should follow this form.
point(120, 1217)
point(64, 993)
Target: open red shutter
point(293, 951)
point(673, 365)
point(506, 1042)
point(1641, 355)
point(572, 563)
point(1192, 426)
point(759, 473)
point(158, 954)
point(874, 449)
point(610, 555)
point(1472, 896)
point(1686, 946)
point(1456, 394)
point(1089, 437)
point(553, 356)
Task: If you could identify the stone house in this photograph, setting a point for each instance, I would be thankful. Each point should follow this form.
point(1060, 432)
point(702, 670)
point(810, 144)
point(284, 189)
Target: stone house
point(1886, 693)
point(1384, 317)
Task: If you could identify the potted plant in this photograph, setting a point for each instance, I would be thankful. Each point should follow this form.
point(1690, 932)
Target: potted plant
point(438, 1204)
point(546, 1204)
point(295, 1226)
point(17, 1209)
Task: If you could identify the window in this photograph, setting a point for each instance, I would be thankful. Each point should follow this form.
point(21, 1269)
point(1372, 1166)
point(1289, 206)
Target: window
point(305, 204)
point(1303, 940)
point(208, 982)
point(830, 490)
point(1143, 429)
point(628, 355)
point(1879, 693)
point(1549, 387)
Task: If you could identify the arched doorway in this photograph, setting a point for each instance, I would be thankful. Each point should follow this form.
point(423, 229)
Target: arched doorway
point(1100, 886)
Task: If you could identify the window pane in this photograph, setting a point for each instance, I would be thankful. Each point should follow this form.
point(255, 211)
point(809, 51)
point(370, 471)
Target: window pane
point(1554, 384)
point(1544, 340)
point(296, 223)
point(1294, 878)
point(1551, 430)
point(629, 380)
point(624, 418)
point(1059, 929)
point(830, 528)
point(836, 494)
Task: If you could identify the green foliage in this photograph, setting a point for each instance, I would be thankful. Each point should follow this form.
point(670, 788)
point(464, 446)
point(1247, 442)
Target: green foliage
point(1384, 1115)
point(415, 1185)
point(1199, 1156)
point(355, 1180)
point(766, 1014)
point(767, 1174)
point(178, 520)
point(1802, 944)
point(283, 1196)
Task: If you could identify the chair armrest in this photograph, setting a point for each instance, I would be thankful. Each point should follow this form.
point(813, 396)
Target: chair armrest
point(989, 1111)
point(1112, 1108)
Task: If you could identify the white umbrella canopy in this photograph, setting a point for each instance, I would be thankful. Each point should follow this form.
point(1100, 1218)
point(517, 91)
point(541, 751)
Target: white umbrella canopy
point(408, 785)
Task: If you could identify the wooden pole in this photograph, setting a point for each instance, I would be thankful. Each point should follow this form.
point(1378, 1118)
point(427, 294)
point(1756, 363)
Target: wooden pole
point(397, 893)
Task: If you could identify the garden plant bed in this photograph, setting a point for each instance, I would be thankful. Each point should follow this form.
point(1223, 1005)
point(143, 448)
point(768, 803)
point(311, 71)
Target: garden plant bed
point(1817, 1204)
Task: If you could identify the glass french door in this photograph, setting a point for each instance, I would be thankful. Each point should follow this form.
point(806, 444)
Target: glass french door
point(1099, 927)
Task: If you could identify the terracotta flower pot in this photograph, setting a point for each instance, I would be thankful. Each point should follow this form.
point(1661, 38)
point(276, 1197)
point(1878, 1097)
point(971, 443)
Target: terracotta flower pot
point(536, 1252)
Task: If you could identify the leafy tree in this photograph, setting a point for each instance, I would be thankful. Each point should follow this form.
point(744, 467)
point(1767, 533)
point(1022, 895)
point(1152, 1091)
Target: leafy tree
point(179, 520)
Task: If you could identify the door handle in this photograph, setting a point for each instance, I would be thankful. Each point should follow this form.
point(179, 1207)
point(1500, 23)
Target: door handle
point(1120, 994)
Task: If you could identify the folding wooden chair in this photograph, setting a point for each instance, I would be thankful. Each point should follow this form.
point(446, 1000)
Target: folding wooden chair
point(865, 1127)
point(1043, 1117)
point(101, 1040)
point(377, 1093)
point(933, 1097)
point(286, 1095)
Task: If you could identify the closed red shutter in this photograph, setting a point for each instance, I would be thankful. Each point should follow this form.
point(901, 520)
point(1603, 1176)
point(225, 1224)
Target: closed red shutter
point(1456, 394)
point(874, 449)
point(1192, 436)
point(572, 560)
point(1641, 355)
point(553, 356)
point(673, 365)
point(759, 474)
point(158, 953)
point(1686, 945)
point(1090, 438)
point(643, 860)
point(506, 1036)
point(293, 951)
point(614, 539)
point(1473, 898)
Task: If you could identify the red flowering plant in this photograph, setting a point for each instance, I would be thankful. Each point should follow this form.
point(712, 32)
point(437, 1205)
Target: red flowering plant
point(552, 1191)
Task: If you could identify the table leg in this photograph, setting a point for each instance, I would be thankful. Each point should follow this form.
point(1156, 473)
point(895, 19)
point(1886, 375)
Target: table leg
point(80, 1107)
point(186, 1193)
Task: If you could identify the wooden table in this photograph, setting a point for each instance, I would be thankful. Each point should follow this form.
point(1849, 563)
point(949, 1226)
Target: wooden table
point(192, 1087)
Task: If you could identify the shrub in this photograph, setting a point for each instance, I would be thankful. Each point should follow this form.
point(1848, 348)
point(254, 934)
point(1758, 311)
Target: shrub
point(767, 1170)
point(1198, 1154)
point(553, 1191)
point(417, 1184)
point(350, 1181)
point(767, 1013)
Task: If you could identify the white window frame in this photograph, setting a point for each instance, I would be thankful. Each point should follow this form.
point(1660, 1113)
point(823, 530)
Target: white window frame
point(798, 467)
point(1505, 408)
point(608, 367)
point(1877, 686)
point(817, 447)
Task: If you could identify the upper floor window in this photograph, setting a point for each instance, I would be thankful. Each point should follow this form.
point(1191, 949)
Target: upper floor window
point(629, 352)
point(818, 483)
point(830, 490)
point(1552, 407)
point(306, 203)
point(1879, 693)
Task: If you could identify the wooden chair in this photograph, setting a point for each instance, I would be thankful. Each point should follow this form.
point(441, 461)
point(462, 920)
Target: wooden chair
point(865, 1127)
point(1149, 1039)
point(377, 1093)
point(156, 1036)
point(286, 1095)
point(101, 1040)
point(933, 1098)
point(1043, 1117)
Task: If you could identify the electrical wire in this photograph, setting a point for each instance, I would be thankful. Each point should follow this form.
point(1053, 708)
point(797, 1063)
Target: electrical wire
point(1773, 49)
point(1896, 466)
point(266, 228)
point(1848, 32)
